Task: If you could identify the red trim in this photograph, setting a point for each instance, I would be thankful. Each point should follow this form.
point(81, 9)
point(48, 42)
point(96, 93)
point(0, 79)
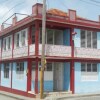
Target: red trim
point(29, 75)
point(23, 93)
point(36, 77)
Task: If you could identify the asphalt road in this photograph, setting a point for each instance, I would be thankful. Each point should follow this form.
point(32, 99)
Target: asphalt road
point(5, 97)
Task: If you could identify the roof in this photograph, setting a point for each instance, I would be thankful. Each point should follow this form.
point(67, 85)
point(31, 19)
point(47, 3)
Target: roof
point(57, 12)
point(61, 13)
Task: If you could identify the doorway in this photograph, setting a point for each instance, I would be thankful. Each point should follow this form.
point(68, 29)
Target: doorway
point(58, 76)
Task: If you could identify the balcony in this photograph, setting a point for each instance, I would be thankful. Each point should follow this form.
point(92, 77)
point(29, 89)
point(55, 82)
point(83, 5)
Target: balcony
point(32, 49)
point(56, 50)
point(87, 53)
point(52, 51)
point(20, 52)
point(7, 54)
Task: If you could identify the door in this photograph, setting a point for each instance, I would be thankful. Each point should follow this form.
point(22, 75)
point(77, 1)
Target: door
point(58, 77)
point(33, 76)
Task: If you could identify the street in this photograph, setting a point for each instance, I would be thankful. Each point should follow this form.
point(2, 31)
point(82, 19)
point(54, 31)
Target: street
point(6, 97)
point(82, 98)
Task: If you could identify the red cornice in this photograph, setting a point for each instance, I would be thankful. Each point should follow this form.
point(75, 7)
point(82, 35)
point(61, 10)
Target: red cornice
point(85, 23)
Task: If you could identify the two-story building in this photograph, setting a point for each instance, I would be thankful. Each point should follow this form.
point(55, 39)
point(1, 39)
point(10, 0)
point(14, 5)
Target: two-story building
point(73, 63)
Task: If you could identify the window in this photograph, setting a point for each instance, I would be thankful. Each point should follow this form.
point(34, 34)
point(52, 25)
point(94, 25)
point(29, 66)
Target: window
point(33, 35)
point(6, 70)
point(88, 67)
point(53, 36)
point(83, 37)
point(49, 67)
point(94, 67)
point(89, 71)
point(23, 33)
point(21, 38)
point(94, 38)
point(83, 67)
point(9, 42)
point(33, 66)
point(50, 37)
point(20, 70)
point(4, 43)
point(17, 40)
point(88, 39)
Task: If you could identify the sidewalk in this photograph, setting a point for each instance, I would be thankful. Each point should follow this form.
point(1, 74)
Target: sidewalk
point(52, 97)
point(15, 96)
point(71, 96)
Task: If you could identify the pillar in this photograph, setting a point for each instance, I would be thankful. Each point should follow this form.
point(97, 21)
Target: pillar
point(36, 76)
point(29, 37)
point(36, 54)
point(36, 38)
point(72, 63)
point(29, 74)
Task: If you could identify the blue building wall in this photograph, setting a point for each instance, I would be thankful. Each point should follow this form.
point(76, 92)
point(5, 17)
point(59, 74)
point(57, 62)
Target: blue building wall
point(85, 86)
point(66, 80)
point(19, 84)
point(48, 85)
point(32, 85)
point(66, 37)
point(77, 40)
point(6, 82)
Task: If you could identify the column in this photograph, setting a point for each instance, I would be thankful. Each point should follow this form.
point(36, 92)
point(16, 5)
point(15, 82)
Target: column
point(72, 62)
point(36, 54)
point(29, 38)
point(36, 76)
point(36, 38)
point(29, 64)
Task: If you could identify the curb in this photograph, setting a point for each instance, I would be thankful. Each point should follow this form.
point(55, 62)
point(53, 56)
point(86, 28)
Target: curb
point(76, 96)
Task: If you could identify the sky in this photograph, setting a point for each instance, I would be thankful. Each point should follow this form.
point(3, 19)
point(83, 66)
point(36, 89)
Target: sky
point(84, 9)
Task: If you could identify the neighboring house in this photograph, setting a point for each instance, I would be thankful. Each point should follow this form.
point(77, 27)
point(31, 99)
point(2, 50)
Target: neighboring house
point(73, 64)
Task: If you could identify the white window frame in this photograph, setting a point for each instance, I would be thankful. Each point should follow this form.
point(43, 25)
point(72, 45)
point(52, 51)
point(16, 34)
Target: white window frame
point(20, 38)
point(7, 66)
point(53, 33)
point(10, 44)
point(4, 44)
point(89, 76)
point(20, 73)
point(86, 32)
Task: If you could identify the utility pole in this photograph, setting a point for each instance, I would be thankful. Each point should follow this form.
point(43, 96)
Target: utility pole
point(43, 49)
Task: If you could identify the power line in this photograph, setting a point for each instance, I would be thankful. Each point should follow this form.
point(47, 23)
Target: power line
point(89, 3)
point(63, 4)
point(11, 9)
point(95, 1)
